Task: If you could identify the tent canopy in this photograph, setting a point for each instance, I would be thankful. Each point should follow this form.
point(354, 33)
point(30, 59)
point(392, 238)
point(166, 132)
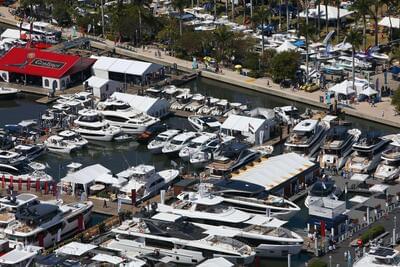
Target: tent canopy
point(386, 22)
point(368, 91)
point(332, 13)
point(343, 88)
point(286, 46)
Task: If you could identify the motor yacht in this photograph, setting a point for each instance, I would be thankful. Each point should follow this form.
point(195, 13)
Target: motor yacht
point(197, 102)
point(288, 114)
point(209, 106)
point(182, 100)
point(320, 189)
point(195, 145)
point(31, 152)
point(236, 109)
point(56, 144)
point(389, 167)
point(347, 63)
point(85, 99)
point(366, 154)
point(32, 172)
point(73, 138)
point(306, 138)
point(378, 257)
point(11, 157)
point(144, 182)
point(337, 146)
point(204, 123)
point(178, 142)
point(46, 224)
point(90, 125)
point(182, 243)
point(8, 93)
point(156, 145)
point(221, 107)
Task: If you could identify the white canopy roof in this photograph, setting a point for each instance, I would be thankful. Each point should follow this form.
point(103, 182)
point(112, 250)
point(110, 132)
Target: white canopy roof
point(18, 255)
point(75, 249)
point(385, 22)
point(368, 91)
point(343, 88)
point(92, 173)
point(332, 13)
point(242, 123)
point(141, 103)
point(378, 188)
point(361, 177)
point(96, 82)
point(286, 46)
point(132, 67)
point(108, 258)
point(220, 262)
point(12, 33)
point(275, 170)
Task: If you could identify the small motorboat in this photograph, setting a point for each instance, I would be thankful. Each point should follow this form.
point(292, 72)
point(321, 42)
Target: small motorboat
point(381, 57)
point(8, 93)
point(56, 144)
point(123, 138)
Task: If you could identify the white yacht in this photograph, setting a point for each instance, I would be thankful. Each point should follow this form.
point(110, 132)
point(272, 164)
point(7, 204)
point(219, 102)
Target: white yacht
point(347, 63)
point(46, 224)
point(30, 151)
point(32, 172)
point(8, 93)
point(197, 102)
point(209, 106)
point(91, 126)
point(182, 100)
point(56, 144)
point(337, 146)
point(389, 167)
point(83, 98)
point(145, 182)
point(121, 114)
point(74, 138)
point(11, 158)
point(288, 114)
point(204, 123)
point(156, 145)
point(379, 257)
point(321, 189)
point(178, 142)
point(182, 243)
point(196, 144)
point(306, 138)
point(366, 155)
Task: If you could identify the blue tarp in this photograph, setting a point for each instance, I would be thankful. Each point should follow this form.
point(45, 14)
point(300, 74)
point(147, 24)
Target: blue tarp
point(395, 70)
point(299, 43)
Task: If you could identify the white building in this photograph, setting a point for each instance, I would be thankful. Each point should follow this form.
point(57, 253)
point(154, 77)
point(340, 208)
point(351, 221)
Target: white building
point(255, 130)
point(126, 71)
point(103, 88)
point(155, 107)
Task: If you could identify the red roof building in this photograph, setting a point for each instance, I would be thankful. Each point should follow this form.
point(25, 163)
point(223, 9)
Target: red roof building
point(57, 71)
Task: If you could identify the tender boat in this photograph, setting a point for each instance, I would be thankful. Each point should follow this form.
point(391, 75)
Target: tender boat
point(197, 102)
point(195, 145)
point(56, 144)
point(73, 138)
point(11, 157)
point(31, 152)
point(156, 145)
point(178, 142)
point(8, 93)
point(204, 123)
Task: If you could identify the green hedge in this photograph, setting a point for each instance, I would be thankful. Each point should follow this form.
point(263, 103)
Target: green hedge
point(373, 232)
point(317, 263)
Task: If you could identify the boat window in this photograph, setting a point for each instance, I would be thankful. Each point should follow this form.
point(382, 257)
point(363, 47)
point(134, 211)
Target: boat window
point(176, 142)
point(115, 118)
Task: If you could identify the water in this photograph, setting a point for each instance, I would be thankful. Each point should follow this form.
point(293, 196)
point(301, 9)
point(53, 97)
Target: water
point(118, 157)
point(96, 218)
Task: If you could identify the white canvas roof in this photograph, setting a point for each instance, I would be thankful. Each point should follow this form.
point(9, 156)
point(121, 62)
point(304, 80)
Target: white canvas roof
point(92, 173)
point(286, 46)
point(385, 22)
point(96, 82)
point(275, 170)
point(368, 91)
point(141, 103)
point(220, 262)
point(16, 256)
point(344, 88)
point(242, 123)
point(75, 249)
point(126, 66)
point(11, 33)
point(108, 258)
point(332, 13)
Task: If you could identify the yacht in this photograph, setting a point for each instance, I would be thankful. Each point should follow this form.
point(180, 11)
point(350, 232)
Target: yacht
point(204, 123)
point(182, 100)
point(320, 189)
point(231, 158)
point(145, 182)
point(11, 157)
point(31, 152)
point(337, 146)
point(221, 107)
point(84, 99)
point(56, 144)
point(379, 257)
point(8, 93)
point(46, 224)
point(306, 138)
point(366, 155)
point(209, 106)
point(347, 63)
point(19, 256)
point(288, 114)
point(178, 142)
point(71, 137)
point(156, 145)
point(197, 102)
point(195, 145)
point(179, 242)
point(32, 172)
point(389, 167)
point(91, 126)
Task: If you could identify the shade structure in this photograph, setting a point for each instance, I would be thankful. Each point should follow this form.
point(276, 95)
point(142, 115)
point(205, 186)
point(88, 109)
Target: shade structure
point(390, 22)
point(286, 46)
point(343, 88)
point(368, 91)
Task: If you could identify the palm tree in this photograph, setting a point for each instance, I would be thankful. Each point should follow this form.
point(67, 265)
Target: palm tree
point(180, 5)
point(355, 39)
point(318, 2)
point(337, 20)
point(326, 16)
point(308, 31)
point(261, 16)
point(223, 37)
point(377, 4)
point(362, 9)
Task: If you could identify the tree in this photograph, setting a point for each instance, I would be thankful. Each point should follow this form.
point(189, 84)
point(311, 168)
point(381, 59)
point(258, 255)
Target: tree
point(355, 39)
point(396, 100)
point(30, 4)
point(337, 20)
point(392, 7)
point(308, 31)
point(60, 14)
point(261, 16)
point(180, 5)
point(223, 37)
point(362, 10)
point(284, 66)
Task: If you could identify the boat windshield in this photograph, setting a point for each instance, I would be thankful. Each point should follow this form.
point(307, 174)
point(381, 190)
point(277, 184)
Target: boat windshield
point(177, 142)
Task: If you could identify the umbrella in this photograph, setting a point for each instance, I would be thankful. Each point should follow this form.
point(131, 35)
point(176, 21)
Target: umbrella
point(238, 66)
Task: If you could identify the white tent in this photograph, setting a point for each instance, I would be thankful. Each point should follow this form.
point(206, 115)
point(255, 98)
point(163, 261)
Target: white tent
point(332, 13)
point(286, 46)
point(385, 22)
point(256, 130)
point(343, 88)
point(368, 91)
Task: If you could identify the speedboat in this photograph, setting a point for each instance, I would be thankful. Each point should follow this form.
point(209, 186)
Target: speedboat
point(8, 93)
point(366, 155)
point(32, 172)
point(11, 157)
point(379, 257)
point(73, 138)
point(320, 189)
point(306, 138)
point(197, 102)
point(145, 182)
point(204, 123)
point(209, 106)
point(288, 114)
point(91, 126)
point(56, 144)
point(156, 145)
point(332, 68)
point(31, 152)
point(380, 57)
point(182, 100)
point(195, 145)
point(389, 167)
point(178, 142)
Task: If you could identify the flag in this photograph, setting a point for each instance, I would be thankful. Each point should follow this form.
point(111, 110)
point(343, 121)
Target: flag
point(323, 228)
point(251, 128)
point(89, 27)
